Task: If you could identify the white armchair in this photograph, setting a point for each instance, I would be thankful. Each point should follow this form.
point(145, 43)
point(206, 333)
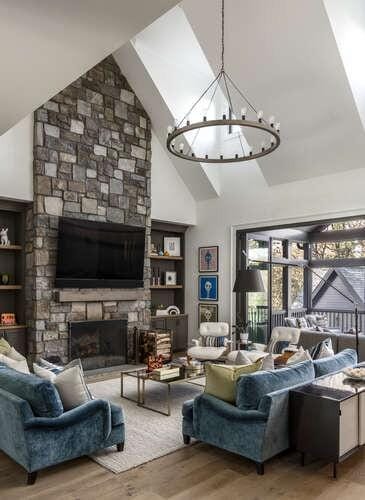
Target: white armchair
point(214, 341)
point(278, 335)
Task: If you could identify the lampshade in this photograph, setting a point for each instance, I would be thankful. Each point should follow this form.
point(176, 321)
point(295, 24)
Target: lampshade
point(249, 280)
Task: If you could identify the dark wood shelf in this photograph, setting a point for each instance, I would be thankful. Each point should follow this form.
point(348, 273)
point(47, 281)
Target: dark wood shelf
point(11, 327)
point(10, 287)
point(165, 257)
point(11, 247)
point(168, 316)
point(165, 287)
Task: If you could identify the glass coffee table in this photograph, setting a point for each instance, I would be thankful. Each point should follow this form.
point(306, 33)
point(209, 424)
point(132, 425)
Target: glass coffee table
point(144, 378)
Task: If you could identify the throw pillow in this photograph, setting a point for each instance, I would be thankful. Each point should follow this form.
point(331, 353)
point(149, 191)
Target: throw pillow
point(311, 320)
point(299, 356)
point(72, 388)
point(302, 323)
point(322, 321)
point(4, 346)
point(268, 363)
point(291, 322)
point(221, 379)
point(18, 365)
point(242, 359)
point(69, 382)
point(323, 349)
point(212, 341)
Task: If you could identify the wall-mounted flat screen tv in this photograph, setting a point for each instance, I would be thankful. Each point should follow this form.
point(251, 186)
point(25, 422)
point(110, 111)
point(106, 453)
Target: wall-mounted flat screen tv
point(99, 255)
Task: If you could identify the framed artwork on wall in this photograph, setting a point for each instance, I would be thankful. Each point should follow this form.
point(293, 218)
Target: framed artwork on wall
point(208, 313)
point(208, 287)
point(208, 259)
point(171, 245)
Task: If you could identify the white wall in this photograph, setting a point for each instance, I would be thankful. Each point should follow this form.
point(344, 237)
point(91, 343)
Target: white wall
point(247, 201)
point(171, 199)
point(16, 161)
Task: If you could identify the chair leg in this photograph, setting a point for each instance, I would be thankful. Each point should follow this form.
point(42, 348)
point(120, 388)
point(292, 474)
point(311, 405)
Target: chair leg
point(32, 477)
point(186, 439)
point(260, 468)
point(120, 446)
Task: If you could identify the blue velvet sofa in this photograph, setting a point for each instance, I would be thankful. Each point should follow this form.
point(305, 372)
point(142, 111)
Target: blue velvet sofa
point(257, 427)
point(37, 433)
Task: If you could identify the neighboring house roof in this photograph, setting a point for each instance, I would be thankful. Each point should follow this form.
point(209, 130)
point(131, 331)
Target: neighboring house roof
point(350, 281)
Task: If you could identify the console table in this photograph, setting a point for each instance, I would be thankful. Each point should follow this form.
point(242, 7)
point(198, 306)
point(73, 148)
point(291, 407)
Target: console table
point(327, 418)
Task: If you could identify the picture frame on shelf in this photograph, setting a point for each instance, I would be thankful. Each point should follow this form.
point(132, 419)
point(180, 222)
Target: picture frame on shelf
point(209, 259)
point(171, 246)
point(208, 288)
point(170, 278)
point(207, 313)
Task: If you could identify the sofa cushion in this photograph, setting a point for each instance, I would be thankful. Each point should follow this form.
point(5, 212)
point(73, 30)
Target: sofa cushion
point(221, 380)
point(323, 349)
point(324, 366)
point(251, 388)
point(40, 394)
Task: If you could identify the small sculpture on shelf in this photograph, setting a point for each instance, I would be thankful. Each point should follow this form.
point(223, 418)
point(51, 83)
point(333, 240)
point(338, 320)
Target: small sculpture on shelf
point(5, 278)
point(8, 319)
point(4, 239)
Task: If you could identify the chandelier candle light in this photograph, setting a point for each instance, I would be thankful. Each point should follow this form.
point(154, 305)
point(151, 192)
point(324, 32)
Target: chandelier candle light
point(248, 118)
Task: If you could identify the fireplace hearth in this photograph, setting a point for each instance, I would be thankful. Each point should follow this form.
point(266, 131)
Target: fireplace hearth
point(99, 344)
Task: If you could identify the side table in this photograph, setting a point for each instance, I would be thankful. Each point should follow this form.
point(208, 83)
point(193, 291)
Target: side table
point(327, 418)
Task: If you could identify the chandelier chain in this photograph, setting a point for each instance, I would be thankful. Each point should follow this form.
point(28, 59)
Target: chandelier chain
point(222, 37)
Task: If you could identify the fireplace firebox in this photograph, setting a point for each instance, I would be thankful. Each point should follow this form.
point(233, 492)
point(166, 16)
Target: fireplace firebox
point(99, 344)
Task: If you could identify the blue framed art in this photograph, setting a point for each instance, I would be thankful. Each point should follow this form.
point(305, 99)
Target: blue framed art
point(208, 288)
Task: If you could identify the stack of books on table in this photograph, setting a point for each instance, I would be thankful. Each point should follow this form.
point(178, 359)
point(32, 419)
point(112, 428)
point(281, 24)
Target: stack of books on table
point(166, 373)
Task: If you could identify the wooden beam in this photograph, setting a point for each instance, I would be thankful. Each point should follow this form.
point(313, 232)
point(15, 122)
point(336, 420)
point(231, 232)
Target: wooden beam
point(337, 262)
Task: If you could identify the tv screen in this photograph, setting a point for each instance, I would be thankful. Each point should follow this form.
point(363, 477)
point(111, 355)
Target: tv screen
point(99, 255)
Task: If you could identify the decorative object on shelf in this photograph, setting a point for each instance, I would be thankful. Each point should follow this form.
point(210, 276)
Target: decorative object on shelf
point(153, 249)
point(160, 253)
point(170, 277)
point(171, 246)
point(169, 311)
point(208, 288)
point(4, 239)
point(208, 259)
point(173, 311)
point(208, 313)
point(5, 278)
point(8, 319)
point(265, 134)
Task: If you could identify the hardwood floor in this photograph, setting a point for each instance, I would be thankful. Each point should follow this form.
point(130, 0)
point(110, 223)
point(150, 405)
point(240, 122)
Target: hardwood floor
point(196, 472)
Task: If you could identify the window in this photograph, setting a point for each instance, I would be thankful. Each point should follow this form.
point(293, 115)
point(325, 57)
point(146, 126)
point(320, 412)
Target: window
point(296, 276)
point(338, 249)
point(277, 287)
point(277, 249)
point(348, 224)
point(297, 250)
point(258, 249)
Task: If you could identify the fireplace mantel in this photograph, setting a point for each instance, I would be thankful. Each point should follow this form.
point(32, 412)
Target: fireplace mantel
point(102, 294)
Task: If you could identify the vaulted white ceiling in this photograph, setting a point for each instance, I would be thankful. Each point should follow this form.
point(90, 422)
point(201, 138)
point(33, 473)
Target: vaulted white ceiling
point(285, 55)
point(46, 44)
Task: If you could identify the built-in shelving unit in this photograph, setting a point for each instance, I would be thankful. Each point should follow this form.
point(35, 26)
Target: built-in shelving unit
point(168, 295)
point(12, 216)
point(11, 247)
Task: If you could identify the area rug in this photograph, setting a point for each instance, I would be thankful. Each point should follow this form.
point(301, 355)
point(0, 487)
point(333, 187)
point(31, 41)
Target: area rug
point(149, 435)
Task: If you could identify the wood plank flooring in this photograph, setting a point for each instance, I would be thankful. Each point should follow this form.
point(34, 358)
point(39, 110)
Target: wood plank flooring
point(197, 472)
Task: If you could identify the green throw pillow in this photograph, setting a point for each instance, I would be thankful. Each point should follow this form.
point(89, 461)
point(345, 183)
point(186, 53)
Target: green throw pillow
point(5, 347)
point(221, 379)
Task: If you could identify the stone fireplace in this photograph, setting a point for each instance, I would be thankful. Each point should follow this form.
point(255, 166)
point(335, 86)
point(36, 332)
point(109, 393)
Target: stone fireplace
point(92, 152)
point(99, 344)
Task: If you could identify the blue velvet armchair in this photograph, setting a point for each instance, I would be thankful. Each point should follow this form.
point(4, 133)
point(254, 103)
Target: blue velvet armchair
point(257, 427)
point(37, 433)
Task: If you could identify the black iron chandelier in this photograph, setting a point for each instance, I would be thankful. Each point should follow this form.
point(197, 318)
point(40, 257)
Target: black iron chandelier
point(263, 135)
